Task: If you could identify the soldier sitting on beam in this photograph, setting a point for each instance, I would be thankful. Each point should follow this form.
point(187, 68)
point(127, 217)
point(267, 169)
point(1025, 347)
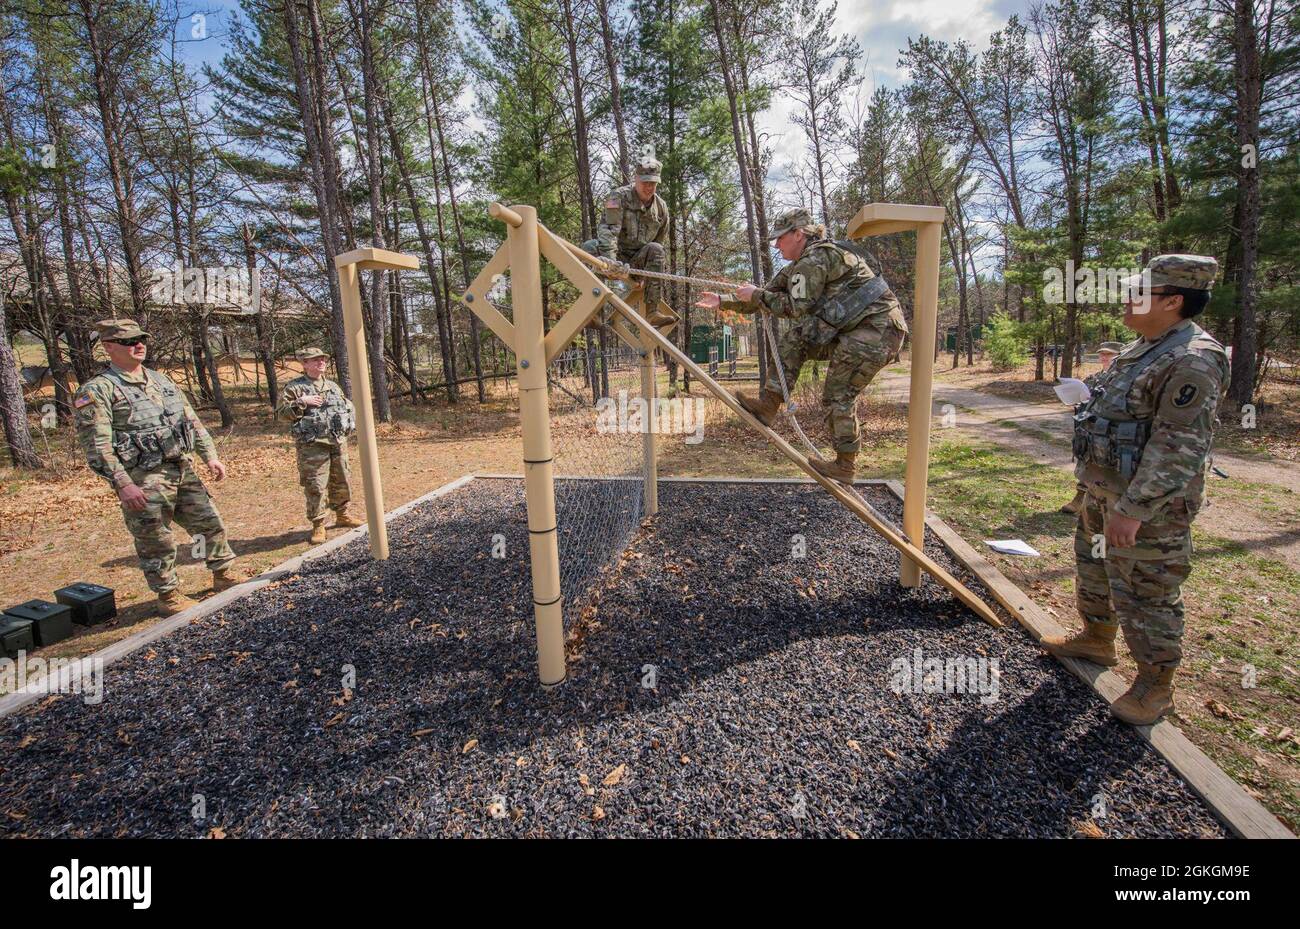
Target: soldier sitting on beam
point(844, 312)
point(632, 234)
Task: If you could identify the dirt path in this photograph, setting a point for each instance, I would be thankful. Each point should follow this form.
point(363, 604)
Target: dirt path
point(1043, 432)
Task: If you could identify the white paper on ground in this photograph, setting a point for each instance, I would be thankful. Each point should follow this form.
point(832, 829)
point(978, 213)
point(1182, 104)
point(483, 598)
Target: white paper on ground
point(1011, 547)
point(1072, 391)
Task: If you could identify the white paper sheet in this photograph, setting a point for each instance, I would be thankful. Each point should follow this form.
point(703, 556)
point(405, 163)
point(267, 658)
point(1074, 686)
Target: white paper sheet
point(1011, 547)
point(1072, 391)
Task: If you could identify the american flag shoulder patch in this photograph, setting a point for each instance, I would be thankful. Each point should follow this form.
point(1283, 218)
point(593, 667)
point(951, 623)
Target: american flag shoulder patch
point(83, 399)
point(612, 203)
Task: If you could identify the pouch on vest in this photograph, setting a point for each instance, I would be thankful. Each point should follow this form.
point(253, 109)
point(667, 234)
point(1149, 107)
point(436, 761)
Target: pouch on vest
point(845, 310)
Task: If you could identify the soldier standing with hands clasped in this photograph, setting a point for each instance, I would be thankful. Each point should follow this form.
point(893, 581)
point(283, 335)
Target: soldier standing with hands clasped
point(322, 421)
point(140, 434)
point(1142, 451)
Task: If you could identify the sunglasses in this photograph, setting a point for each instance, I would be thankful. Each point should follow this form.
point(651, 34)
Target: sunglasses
point(130, 342)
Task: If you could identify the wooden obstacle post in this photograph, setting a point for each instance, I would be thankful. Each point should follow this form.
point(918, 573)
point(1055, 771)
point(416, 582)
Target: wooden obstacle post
point(350, 266)
point(649, 438)
point(927, 221)
point(535, 425)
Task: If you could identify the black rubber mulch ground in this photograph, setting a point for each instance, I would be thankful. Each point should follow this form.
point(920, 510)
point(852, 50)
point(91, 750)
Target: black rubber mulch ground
point(773, 714)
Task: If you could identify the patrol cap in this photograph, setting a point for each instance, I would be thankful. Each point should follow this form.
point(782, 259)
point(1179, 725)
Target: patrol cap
point(797, 218)
point(114, 330)
point(1113, 347)
point(307, 354)
point(647, 169)
point(1193, 272)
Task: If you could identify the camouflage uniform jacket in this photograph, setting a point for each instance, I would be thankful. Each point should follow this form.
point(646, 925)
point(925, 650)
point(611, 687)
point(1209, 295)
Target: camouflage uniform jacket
point(108, 410)
point(821, 272)
point(1178, 395)
point(291, 409)
point(629, 224)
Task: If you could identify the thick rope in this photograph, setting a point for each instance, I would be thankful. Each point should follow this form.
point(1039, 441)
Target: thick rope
point(790, 407)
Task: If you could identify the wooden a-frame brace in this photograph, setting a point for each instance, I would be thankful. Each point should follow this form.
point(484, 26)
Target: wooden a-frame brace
point(527, 241)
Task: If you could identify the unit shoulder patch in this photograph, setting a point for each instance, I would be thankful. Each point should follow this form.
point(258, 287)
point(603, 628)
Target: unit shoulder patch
point(1190, 389)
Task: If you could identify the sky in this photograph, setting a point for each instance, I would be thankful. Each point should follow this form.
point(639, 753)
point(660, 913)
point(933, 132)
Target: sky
point(881, 27)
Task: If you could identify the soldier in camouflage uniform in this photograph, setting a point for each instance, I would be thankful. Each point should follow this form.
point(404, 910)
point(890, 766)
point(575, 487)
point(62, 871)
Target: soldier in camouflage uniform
point(1107, 352)
point(322, 419)
point(1142, 451)
point(843, 312)
point(632, 234)
point(139, 433)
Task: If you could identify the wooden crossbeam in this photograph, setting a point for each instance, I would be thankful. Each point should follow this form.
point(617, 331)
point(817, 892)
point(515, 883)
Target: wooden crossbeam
point(475, 297)
point(572, 322)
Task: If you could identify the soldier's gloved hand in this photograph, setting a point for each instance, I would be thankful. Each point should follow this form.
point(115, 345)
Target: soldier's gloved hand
point(617, 270)
point(745, 293)
point(132, 497)
point(217, 469)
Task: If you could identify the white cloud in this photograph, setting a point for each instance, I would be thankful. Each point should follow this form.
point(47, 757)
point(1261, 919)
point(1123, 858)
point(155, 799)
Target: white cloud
point(882, 31)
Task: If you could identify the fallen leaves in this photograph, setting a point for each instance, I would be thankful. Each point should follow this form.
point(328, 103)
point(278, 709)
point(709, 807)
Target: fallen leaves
point(613, 777)
point(1220, 710)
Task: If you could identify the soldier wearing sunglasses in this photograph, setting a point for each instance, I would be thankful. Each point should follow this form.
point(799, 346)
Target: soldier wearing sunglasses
point(140, 434)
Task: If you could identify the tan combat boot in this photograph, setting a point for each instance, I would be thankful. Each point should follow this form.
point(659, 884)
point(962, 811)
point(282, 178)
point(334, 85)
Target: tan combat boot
point(1074, 506)
point(317, 532)
point(226, 578)
point(1150, 697)
point(764, 407)
point(1096, 642)
point(344, 520)
point(841, 469)
point(659, 318)
point(173, 601)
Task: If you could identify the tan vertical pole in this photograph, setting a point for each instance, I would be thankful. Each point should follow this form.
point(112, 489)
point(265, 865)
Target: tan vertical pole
point(649, 452)
point(925, 311)
point(350, 287)
point(535, 424)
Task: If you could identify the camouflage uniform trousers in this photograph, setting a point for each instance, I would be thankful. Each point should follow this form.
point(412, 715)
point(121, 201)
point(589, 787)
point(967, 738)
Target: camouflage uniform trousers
point(323, 472)
point(856, 357)
point(649, 257)
point(1138, 587)
point(174, 491)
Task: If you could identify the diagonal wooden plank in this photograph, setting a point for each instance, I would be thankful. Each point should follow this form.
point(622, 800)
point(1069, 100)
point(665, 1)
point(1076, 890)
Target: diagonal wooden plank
point(475, 297)
point(564, 256)
point(571, 323)
point(623, 332)
point(857, 505)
